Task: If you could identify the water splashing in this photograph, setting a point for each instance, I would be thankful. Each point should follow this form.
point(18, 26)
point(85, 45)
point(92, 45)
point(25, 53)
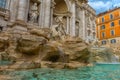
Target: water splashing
point(62, 54)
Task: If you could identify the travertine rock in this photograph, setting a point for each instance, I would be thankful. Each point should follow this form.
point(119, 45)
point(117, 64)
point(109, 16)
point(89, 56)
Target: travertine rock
point(102, 54)
point(30, 44)
point(38, 45)
point(3, 43)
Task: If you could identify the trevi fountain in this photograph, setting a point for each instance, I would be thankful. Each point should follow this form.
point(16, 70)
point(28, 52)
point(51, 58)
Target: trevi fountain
point(52, 40)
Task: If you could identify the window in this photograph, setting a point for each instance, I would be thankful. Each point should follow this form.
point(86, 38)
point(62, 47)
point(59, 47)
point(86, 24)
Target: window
point(112, 24)
point(103, 42)
point(2, 3)
point(103, 34)
point(112, 33)
point(119, 22)
point(113, 41)
point(111, 16)
point(102, 19)
point(103, 27)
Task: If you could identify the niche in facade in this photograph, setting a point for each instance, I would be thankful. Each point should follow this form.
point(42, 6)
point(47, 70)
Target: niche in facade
point(77, 29)
point(60, 6)
point(34, 10)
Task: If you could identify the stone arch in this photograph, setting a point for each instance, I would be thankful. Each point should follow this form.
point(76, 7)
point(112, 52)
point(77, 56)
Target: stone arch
point(61, 6)
point(61, 9)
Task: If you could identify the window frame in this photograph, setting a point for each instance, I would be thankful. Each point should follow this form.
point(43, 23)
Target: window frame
point(103, 20)
point(112, 24)
point(112, 32)
point(103, 34)
point(103, 42)
point(111, 16)
point(102, 27)
point(113, 41)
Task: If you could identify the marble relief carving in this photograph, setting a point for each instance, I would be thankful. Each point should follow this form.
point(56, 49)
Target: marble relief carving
point(58, 29)
point(33, 13)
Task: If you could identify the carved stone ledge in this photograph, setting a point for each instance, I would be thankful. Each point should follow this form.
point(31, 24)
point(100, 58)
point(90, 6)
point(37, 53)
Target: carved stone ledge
point(19, 22)
point(5, 13)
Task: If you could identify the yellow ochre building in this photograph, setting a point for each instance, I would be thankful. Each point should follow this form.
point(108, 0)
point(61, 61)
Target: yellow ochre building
point(108, 28)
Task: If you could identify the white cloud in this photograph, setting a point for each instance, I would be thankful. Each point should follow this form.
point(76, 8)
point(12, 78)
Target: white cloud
point(117, 4)
point(104, 5)
point(100, 6)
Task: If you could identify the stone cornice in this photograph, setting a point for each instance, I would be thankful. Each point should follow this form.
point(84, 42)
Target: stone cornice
point(68, 14)
point(89, 9)
point(81, 1)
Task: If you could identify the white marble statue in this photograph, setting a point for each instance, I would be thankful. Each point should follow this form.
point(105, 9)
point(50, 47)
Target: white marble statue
point(34, 13)
point(58, 29)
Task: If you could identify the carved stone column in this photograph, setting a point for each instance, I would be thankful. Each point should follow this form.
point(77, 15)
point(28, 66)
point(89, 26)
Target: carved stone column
point(83, 23)
point(13, 9)
point(68, 25)
point(51, 16)
point(21, 15)
point(41, 14)
point(72, 20)
point(47, 13)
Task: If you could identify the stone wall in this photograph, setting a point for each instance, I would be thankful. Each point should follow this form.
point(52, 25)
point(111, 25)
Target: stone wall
point(72, 14)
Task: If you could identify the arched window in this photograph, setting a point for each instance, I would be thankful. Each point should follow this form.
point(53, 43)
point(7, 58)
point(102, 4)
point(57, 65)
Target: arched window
point(112, 24)
point(102, 27)
point(2, 3)
point(112, 33)
point(111, 16)
point(102, 19)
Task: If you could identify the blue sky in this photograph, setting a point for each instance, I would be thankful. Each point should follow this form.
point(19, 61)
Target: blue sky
point(103, 5)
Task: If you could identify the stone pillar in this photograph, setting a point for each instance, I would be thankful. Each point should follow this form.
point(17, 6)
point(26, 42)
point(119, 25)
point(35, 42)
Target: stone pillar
point(27, 10)
point(68, 22)
point(41, 14)
point(83, 21)
point(72, 20)
point(21, 15)
point(91, 28)
point(47, 13)
point(13, 9)
point(95, 30)
point(51, 16)
point(80, 34)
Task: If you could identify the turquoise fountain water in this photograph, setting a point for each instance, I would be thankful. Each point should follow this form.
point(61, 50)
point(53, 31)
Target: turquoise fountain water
point(5, 63)
point(97, 72)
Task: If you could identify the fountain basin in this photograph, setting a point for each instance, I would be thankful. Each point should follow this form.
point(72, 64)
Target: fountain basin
point(107, 63)
point(2, 63)
point(96, 72)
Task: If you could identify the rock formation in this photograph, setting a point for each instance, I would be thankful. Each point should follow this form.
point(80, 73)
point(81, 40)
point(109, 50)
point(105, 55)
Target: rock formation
point(104, 55)
point(37, 46)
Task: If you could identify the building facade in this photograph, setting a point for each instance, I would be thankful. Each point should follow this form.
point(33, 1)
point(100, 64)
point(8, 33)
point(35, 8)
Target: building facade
point(108, 28)
point(88, 23)
point(77, 16)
